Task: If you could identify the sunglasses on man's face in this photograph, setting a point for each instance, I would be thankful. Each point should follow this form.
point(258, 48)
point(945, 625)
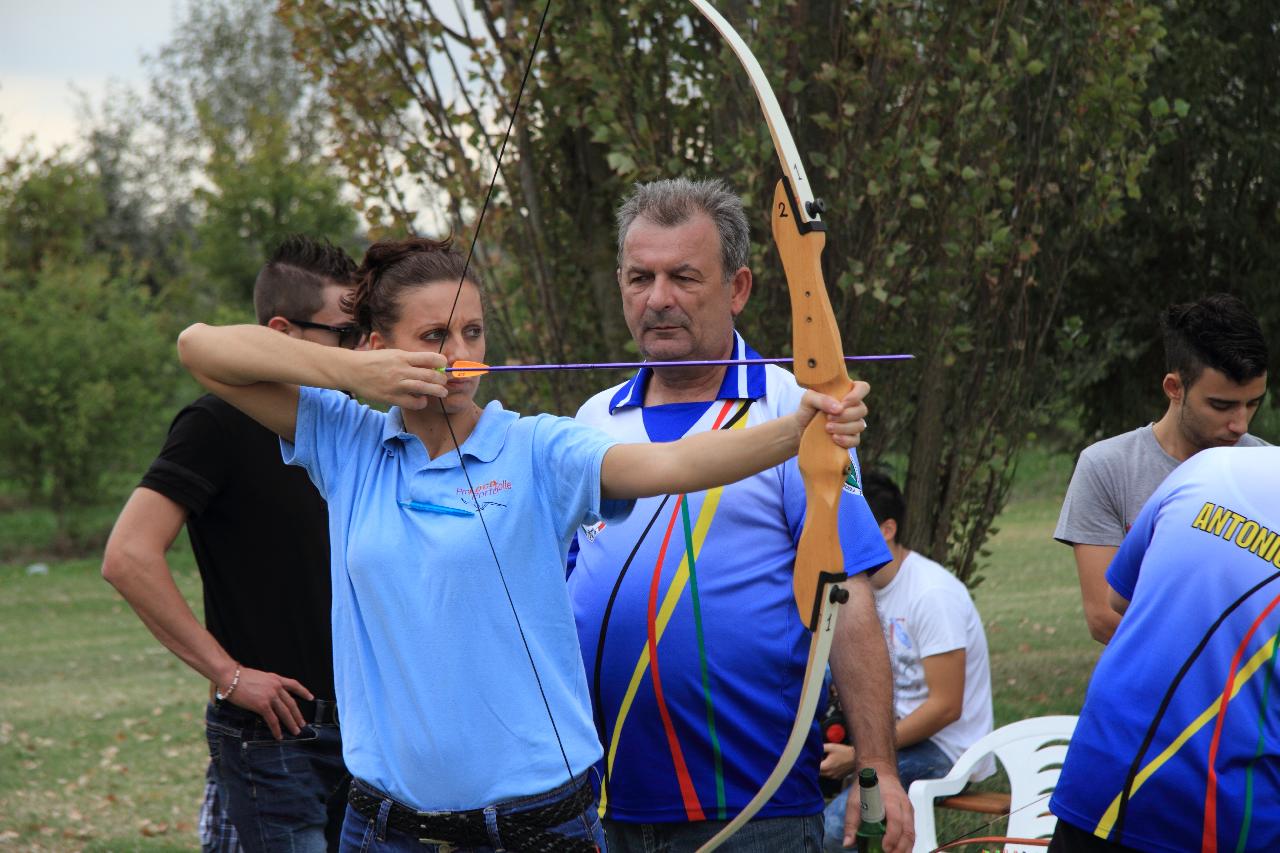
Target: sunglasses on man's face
point(348, 336)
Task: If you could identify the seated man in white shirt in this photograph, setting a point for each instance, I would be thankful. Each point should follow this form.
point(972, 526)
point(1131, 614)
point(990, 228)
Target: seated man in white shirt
point(938, 651)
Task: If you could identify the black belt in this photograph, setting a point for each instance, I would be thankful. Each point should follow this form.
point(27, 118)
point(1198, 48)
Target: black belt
point(315, 712)
point(521, 832)
point(318, 712)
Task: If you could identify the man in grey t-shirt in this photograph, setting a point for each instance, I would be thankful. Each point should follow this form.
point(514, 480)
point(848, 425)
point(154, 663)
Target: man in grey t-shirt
point(1216, 358)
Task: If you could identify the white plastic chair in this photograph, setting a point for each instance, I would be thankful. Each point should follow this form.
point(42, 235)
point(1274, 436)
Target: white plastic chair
point(1031, 752)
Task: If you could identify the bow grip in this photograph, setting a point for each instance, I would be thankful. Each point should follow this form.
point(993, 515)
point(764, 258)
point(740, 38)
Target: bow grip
point(819, 365)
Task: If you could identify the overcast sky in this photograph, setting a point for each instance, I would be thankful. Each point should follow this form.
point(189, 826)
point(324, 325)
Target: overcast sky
point(47, 47)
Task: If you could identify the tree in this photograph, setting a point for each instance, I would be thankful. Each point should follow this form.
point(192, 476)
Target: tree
point(979, 146)
point(220, 159)
point(88, 363)
point(150, 218)
point(966, 152)
point(420, 103)
point(171, 207)
point(49, 207)
point(1207, 217)
point(86, 354)
point(261, 191)
point(228, 63)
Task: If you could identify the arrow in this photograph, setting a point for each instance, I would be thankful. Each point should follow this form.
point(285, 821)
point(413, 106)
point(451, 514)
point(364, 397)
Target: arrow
point(467, 369)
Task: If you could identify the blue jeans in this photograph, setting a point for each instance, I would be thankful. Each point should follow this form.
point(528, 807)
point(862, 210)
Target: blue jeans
point(924, 760)
point(217, 832)
point(281, 795)
point(762, 835)
point(372, 834)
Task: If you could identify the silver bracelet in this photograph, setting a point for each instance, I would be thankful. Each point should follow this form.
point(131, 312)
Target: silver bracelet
point(235, 682)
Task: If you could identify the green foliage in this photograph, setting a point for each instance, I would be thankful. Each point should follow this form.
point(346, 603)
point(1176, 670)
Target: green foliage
point(87, 354)
point(166, 216)
point(1206, 216)
point(972, 149)
point(206, 172)
point(149, 213)
point(232, 106)
point(227, 63)
point(88, 366)
point(1266, 423)
point(262, 191)
point(48, 208)
point(967, 152)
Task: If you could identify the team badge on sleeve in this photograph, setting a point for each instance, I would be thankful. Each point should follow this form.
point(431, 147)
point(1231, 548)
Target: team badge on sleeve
point(853, 482)
point(591, 531)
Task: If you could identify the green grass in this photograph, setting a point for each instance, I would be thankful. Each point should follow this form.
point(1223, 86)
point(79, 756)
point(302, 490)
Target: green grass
point(1041, 651)
point(101, 732)
point(31, 532)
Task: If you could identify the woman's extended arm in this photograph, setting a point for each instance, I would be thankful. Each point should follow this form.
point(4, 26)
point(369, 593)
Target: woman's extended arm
point(258, 370)
point(709, 459)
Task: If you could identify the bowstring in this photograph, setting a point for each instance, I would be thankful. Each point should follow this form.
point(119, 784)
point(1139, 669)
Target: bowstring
point(466, 266)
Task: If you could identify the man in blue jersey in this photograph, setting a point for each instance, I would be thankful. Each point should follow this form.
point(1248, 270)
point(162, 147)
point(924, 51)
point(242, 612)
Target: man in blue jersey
point(693, 645)
point(1178, 745)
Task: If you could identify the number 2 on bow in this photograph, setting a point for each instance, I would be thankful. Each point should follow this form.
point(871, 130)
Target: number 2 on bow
point(800, 236)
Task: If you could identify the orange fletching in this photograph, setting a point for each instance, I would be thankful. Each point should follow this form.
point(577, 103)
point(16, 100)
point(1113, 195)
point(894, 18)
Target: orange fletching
point(467, 369)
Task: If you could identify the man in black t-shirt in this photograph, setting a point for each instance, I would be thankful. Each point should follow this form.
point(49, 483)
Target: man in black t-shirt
point(259, 531)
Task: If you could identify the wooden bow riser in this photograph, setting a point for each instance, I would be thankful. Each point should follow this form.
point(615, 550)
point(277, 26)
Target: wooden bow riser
point(819, 365)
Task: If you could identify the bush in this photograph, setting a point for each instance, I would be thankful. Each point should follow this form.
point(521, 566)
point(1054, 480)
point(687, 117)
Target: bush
point(89, 372)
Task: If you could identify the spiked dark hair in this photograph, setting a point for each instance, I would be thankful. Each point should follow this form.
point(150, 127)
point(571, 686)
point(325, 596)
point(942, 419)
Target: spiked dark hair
point(1218, 331)
point(292, 282)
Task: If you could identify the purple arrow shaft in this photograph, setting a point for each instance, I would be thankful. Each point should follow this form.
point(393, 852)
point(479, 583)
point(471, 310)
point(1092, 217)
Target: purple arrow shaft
point(624, 365)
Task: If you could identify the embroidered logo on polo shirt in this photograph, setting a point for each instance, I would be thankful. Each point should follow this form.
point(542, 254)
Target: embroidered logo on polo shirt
point(485, 495)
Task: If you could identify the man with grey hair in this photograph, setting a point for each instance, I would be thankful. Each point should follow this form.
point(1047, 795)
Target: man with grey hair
point(693, 646)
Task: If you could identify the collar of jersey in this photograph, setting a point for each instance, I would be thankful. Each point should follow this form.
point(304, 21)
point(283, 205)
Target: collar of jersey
point(741, 381)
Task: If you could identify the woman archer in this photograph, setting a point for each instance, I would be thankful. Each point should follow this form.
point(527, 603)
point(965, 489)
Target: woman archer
point(451, 738)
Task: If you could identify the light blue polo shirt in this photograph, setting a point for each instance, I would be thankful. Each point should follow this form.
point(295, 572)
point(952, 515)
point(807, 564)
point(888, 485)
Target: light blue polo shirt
point(439, 703)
